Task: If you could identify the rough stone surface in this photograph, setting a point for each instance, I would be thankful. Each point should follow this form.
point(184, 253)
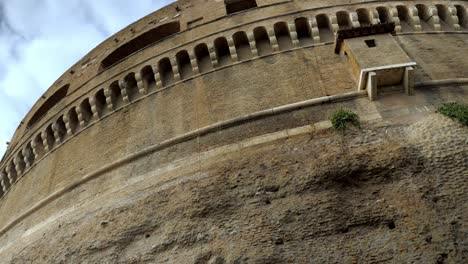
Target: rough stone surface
point(385, 193)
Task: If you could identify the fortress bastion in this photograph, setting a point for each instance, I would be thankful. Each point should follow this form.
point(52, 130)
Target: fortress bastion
point(201, 134)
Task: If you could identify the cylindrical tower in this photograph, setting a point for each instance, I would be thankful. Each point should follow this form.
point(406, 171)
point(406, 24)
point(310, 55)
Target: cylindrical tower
point(201, 134)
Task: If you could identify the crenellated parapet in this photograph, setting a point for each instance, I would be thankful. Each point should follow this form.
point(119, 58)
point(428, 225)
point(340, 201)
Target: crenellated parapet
point(212, 52)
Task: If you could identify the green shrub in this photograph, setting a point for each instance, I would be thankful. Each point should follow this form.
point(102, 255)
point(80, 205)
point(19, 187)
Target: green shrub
point(455, 111)
point(341, 118)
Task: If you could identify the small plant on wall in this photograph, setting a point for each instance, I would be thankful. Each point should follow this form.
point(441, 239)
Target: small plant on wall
point(342, 118)
point(455, 111)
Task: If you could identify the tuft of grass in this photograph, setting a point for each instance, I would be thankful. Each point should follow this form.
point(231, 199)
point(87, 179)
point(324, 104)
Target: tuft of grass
point(341, 118)
point(455, 111)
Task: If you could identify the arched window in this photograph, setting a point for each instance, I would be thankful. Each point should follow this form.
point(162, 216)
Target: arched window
point(38, 145)
point(101, 103)
point(446, 21)
point(241, 41)
point(50, 139)
point(29, 156)
point(132, 87)
point(203, 57)
point(222, 51)
point(234, 6)
point(73, 120)
point(405, 18)
point(303, 31)
point(324, 27)
point(116, 95)
point(147, 76)
point(462, 16)
point(262, 41)
point(86, 111)
point(283, 36)
point(165, 72)
point(52, 101)
point(425, 17)
point(184, 64)
point(61, 129)
point(364, 17)
point(142, 41)
point(384, 14)
point(344, 20)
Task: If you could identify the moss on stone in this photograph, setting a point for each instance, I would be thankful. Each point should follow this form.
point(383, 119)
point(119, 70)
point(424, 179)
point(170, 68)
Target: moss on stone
point(455, 111)
point(341, 118)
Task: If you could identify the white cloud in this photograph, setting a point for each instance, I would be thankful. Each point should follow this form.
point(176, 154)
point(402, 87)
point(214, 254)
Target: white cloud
point(41, 39)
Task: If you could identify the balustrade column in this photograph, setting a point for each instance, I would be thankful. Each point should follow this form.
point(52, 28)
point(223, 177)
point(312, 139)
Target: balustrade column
point(314, 31)
point(81, 120)
point(17, 162)
point(9, 171)
point(232, 49)
point(175, 70)
point(3, 179)
point(453, 12)
point(157, 78)
point(394, 14)
point(34, 147)
point(94, 108)
point(45, 141)
point(56, 131)
point(354, 19)
point(273, 39)
point(214, 58)
point(193, 62)
point(27, 156)
point(108, 95)
point(334, 23)
point(434, 17)
point(66, 120)
point(252, 44)
point(123, 91)
point(375, 17)
point(414, 17)
point(293, 34)
point(142, 88)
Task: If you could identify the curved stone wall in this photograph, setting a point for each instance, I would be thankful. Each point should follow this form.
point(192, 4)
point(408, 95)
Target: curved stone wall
point(211, 55)
point(223, 68)
point(225, 191)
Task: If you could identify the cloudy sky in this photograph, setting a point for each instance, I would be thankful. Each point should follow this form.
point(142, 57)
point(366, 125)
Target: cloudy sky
point(41, 39)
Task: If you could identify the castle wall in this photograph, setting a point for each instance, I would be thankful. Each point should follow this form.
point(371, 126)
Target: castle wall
point(83, 75)
point(149, 206)
point(310, 82)
point(212, 91)
point(189, 106)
